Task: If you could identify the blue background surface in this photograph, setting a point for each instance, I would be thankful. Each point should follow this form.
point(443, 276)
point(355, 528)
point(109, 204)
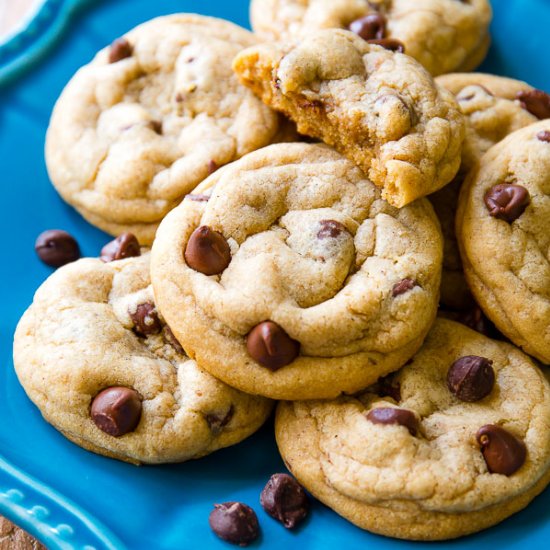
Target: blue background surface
point(74, 499)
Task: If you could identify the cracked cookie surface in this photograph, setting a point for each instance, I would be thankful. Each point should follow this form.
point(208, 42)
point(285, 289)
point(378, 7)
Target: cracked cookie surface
point(145, 122)
point(379, 108)
point(492, 111)
point(80, 336)
point(436, 484)
point(308, 245)
point(443, 35)
point(506, 253)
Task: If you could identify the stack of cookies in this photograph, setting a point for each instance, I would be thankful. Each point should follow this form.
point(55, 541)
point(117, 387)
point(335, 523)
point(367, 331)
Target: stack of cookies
point(281, 179)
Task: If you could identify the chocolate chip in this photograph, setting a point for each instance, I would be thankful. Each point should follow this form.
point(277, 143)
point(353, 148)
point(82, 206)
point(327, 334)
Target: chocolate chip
point(172, 340)
point(544, 135)
point(116, 410)
point(507, 201)
point(403, 286)
point(503, 452)
point(390, 44)
point(56, 247)
point(207, 251)
point(390, 415)
point(536, 102)
point(234, 522)
point(198, 197)
point(212, 166)
point(270, 346)
point(369, 27)
point(120, 49)
point(284, 499)
point(146, 319)
point(388, 387)
point(216, 422)
point(471, 378)
point(330, 229)
point(124, 246)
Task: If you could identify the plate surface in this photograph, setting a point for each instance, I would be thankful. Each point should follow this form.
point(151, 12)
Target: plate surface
point(70, 498)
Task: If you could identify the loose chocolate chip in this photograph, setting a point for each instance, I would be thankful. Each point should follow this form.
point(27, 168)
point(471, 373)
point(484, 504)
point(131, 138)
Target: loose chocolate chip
point(234, 522)
point(207, 251)
point(471, 378)
point(330, 229)
point(388, 387)
point(370, 27)
point(536, 102)
point(390, 415)
point(284, 499)
point(172, 340)
point(403, 286)
point(146, 319)
point(390, 44)
point(120, 49)
point(270, 346)
point(507, 201)
point(56, 248)
point(124, 246)
point(198, 197)
point(544, 135)
point(503, 452)
point(216, 422)
point(116, 410)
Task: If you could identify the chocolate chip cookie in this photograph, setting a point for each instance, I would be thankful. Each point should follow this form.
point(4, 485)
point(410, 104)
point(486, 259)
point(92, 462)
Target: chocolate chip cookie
point(504, 237)
point(96, 357)
point(443, 35)
point(460, 443)
point(494, 107)
point(379, 108)
point(286, 275)
point(151, 117)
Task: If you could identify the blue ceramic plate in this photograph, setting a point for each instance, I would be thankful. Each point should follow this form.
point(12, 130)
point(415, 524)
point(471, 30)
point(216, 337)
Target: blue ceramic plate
point(70, 498)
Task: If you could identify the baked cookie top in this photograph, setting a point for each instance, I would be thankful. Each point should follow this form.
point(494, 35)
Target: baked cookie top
point(93, 350)
point(151, 117)
point(504, 238)
point(379, 108)
point(285, 274)
point(443, 35)
point(461, 443)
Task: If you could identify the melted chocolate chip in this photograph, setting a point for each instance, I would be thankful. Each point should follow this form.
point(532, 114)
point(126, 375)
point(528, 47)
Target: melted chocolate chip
point(390, 44)
point(207, 251)
point(116, 410)
point(503, 452)
point(370, 27)
point(471, 378)
point(330, 229)
point(120, 49)
point(403, 286)
point(284, 499)
point(217, 422)
point(270, 346)
point(536, 102)
point(544, 135)
point(234, 522)
point(146, 319)
point(212, 166)
point(56, 248)
point(507, 201)
point(390, 415)
point(172, 340)
point(124, 246)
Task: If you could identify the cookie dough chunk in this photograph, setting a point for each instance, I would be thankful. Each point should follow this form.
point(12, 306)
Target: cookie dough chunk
point(96, 357)
point(440, 458)
point(379, 108)
point(288, 276)
point(493, 109)
point(443, 35)
point(150, 118)
point(504, 238)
